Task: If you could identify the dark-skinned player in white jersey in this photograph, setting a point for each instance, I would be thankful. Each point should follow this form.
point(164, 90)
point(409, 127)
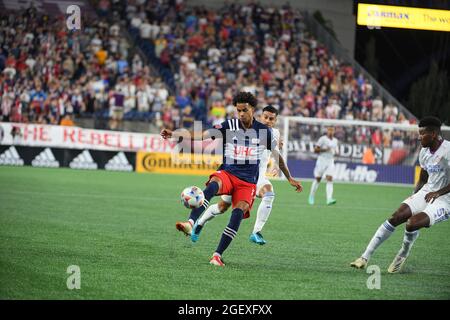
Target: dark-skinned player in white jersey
point(430, 203)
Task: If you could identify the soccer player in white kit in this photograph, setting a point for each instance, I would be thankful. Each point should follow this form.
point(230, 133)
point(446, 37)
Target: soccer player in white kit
point(430, 202)
point(326, 148)
point(264, 188)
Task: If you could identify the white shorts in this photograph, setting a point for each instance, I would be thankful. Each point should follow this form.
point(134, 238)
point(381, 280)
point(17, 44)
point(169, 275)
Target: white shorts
point(324, 168)
point(437, 211)
point(262, 181)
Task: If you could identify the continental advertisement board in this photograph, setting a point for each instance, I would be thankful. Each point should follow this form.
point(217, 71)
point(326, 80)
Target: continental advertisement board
point(159, 162)
point(375, 16)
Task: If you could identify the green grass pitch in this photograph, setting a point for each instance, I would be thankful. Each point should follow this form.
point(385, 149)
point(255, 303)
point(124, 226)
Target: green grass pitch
point(119, 228)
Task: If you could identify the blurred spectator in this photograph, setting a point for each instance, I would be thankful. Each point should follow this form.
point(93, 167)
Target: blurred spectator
point(212, 53)
point(368, 156)
point(67, 121)
point(377, 137)
point(46, 72)
point(187, 118)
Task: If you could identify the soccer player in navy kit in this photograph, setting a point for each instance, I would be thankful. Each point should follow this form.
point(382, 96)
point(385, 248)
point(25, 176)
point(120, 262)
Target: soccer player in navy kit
point(244, 140)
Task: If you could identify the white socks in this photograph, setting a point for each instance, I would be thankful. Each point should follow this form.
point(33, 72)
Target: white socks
point(264, 209)
point(329, 190)
point(210, 213)
point(383, 232)
point(408, 241)
point(314, 187)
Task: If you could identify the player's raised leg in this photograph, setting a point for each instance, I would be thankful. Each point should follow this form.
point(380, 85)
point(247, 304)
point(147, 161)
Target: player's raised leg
point(213, 186)
point(265, 207)
point(210, 213)
point(433, 213)
point(400, 216)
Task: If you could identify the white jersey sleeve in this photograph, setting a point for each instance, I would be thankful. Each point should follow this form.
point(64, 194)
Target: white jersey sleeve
point(421, 158)
point(437, 165)
point(264, 162)
point(276, 137)
point(448, 157)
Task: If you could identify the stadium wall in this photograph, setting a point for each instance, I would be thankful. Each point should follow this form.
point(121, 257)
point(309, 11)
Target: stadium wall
point(154, 162)
point(357, 172)
point(77, 148)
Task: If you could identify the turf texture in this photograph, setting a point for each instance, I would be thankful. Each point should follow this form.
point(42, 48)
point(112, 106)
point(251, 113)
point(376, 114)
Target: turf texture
point(119, 229)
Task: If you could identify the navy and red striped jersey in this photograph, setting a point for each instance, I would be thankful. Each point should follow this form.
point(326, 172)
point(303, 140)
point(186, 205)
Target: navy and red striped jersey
point(243, 148)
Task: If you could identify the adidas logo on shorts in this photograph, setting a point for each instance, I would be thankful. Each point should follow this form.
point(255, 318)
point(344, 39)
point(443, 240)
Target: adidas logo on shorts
point(119, 163)
point(83, 161)
point(45, 159)
point(11, 157)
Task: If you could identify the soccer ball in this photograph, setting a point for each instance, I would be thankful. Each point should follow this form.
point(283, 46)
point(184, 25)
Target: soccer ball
point(192, 197)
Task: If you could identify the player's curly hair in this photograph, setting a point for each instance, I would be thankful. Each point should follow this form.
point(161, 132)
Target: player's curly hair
point(245, 97)
point(430, 123)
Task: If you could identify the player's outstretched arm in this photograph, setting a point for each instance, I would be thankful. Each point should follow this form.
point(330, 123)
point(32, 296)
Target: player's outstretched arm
point(284, 168)
point(423, 178)
point(431, 196)
point(185, 134)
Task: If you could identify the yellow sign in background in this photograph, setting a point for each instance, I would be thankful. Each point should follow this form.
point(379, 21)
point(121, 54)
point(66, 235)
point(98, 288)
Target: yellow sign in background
point(417, 175)
point(403, 17)
point(158, 162)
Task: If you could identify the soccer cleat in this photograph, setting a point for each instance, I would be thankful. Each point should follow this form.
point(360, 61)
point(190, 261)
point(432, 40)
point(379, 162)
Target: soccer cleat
point(397, 264)
point(359, 263)
point(257, 238)
point(311, 200)
point(331, 201)
point(217, 261)
point(195, 233)
point(185, 227)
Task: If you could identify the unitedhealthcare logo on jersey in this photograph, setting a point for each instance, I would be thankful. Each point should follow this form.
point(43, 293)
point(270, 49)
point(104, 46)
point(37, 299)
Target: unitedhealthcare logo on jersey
point(45, 159)
point(83, 161)
point(119, 163)
point(11, 157)
point(434, 168)
point(361, 173)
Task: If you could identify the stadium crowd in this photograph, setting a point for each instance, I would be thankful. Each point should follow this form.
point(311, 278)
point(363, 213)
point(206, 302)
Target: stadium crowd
point(49, 73)
point(266, 51)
